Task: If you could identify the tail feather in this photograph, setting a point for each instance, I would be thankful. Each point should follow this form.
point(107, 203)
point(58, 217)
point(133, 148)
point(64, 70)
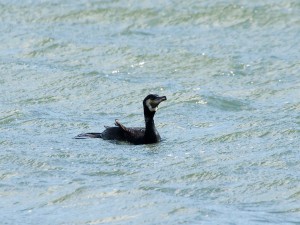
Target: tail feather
point(88, 135)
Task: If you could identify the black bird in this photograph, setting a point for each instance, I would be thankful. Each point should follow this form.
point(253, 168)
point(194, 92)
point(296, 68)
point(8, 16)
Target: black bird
point(134, 135)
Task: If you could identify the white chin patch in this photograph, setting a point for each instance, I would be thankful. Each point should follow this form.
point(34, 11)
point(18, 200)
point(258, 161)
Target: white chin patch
point(150, 106)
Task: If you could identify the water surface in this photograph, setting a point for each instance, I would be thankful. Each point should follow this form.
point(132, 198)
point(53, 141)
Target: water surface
point(230, 127)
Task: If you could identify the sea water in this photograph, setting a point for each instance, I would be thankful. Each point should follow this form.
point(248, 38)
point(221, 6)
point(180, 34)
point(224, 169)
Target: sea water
point(230, 126)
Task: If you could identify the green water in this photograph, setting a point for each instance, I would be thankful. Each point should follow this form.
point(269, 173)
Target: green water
point(230, 126)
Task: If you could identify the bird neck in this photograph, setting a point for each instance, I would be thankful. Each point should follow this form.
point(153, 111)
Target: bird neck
point(150, 126)
point(149, 123)
point(151, 134)
point(148, 115)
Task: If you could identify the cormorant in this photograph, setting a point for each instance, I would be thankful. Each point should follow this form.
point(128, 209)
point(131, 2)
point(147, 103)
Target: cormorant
point(134, 135)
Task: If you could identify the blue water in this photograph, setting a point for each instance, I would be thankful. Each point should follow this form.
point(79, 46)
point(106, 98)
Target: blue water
point(230, 126)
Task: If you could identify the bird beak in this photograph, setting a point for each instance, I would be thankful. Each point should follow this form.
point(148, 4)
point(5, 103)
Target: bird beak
point(159, 100)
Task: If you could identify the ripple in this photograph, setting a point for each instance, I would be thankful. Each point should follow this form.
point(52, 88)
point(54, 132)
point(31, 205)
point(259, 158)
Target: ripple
point(230, 126)
point(10, 116)
point(68, 196)
point(227, 104)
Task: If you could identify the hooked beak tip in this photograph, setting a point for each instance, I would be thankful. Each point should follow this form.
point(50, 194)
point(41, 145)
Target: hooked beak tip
point(163, 98)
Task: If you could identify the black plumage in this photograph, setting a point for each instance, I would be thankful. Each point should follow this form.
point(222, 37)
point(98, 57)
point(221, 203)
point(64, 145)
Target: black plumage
point(134, 135)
